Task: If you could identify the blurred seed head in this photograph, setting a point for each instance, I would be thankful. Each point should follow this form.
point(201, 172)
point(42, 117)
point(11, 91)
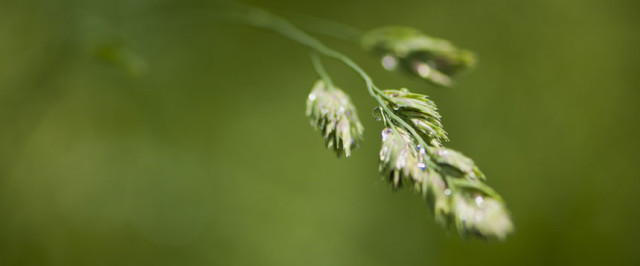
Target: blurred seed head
point(438, 196)
point(485, 217)
point(456, 164)
point(432, 59)
point(331, 111)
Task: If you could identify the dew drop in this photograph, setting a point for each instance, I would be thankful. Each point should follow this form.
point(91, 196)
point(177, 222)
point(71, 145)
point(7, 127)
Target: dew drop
point(312, 97)
point(385, 133)
point(479, 201)
point(422, 166)
point(423, 69)
point(447, 192)
point(389, 62)
point(377, 114)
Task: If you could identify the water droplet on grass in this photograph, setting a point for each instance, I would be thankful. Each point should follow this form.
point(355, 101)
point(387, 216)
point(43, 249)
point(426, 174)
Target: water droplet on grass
point(389, 62)
point(385, 133)
point(479, 201)
point(422, 69)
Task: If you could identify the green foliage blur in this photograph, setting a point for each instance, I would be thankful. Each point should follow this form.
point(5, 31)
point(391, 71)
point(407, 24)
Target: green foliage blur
point(153, 133)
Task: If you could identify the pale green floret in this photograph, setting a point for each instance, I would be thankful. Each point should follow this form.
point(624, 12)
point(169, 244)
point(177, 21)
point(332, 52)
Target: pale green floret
point(399, 158)
point(331, 111)
point(438, 196)
point(481, 216)
point(420, 112)
point(456, 163)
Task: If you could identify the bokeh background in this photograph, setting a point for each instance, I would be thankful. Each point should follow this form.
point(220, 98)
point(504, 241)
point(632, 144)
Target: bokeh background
point(151, 133)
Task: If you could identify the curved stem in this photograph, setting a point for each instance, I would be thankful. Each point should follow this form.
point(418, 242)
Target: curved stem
point(320, 69)
point(327, 27)
point(260, 18)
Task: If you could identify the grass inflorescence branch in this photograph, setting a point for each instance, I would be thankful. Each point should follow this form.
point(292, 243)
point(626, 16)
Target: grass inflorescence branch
point(413, 152)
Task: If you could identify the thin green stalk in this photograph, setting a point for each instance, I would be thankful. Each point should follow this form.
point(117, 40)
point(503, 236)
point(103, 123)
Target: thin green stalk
point(327, 27)
point(317, 64)
point(261, 18)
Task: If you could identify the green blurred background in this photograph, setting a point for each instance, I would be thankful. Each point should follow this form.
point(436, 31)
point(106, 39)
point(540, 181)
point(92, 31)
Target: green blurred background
point(149, 133)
